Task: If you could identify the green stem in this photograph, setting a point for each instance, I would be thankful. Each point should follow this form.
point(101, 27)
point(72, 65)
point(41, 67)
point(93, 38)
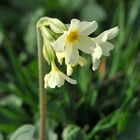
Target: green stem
point(42, 95)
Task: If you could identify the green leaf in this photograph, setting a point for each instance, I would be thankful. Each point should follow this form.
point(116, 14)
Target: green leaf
point(3, 62)
point(25, 132)
point(105, 123)
point(51, 135)
point(11, 100)
point(122, 121)
point(93, 97)
point(8, 128)
point(132, 131)
point(1, 34)
point(83, 79)
point(55, 110)
point(73, 132)
point(50, 129)
point(3, 87)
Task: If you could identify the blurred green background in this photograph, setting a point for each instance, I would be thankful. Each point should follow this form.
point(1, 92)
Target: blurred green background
point(104, 105)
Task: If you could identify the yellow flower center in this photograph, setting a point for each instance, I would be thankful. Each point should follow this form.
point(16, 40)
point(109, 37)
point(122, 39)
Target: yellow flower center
point(72, 37)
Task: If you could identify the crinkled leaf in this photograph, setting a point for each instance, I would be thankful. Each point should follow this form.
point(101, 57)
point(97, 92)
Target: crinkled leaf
point(73, 132)
point(25, 132)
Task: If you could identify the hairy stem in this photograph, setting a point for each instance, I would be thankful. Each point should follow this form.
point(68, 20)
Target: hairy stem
point(42, 95)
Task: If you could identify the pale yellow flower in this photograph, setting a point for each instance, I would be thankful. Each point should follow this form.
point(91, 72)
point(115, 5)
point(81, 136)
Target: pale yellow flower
point(56, 78)
point(103, 47)
point(76, 38)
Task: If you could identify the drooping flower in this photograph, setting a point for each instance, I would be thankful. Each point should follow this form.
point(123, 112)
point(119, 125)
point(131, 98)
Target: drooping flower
point(76, 38)
point(56, 78)
point(103, 47)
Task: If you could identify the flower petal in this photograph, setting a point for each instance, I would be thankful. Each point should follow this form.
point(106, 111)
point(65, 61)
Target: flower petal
point(75, 24)
point(97, 52)
point(87, 28)
point(59, 79)
point(106, 48)
point(86, 44)
point(60, 43)
point(72, 81)
point(71, 55)
point(46, 80)
point(69, 70)
point(95, 63)
point(108, 34)
point(60, 56)
point(52, 80)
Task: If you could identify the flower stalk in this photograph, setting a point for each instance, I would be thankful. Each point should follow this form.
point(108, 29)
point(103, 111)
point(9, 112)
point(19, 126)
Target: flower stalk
point(42, 95)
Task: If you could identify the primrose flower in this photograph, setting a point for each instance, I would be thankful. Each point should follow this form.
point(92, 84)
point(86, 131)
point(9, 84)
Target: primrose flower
point(76, 38)
point(56, 78)
point(103, 47)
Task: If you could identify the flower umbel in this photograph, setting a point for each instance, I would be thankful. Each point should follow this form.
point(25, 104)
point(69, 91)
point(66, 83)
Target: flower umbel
point(67, 42)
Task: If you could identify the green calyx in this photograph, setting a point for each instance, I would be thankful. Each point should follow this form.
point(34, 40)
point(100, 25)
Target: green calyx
point(48, 52)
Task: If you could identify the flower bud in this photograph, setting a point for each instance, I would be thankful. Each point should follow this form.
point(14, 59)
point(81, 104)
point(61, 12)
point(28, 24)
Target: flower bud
point(56, 25)
point(48, 53)
point(47, 34)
